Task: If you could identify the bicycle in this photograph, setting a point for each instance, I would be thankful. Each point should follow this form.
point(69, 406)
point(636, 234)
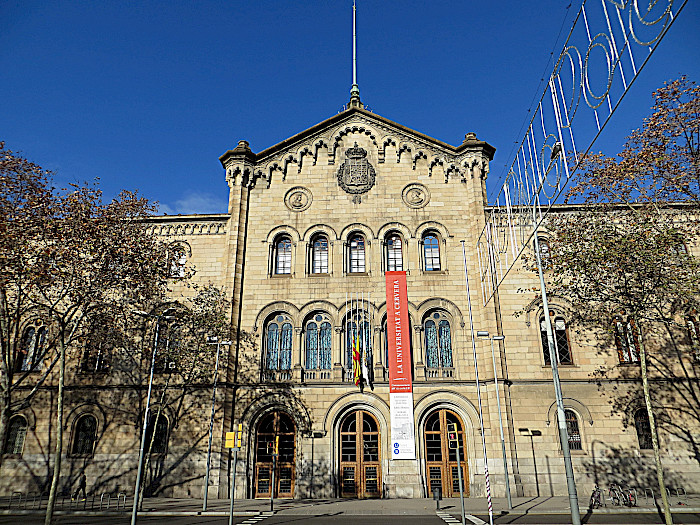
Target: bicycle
point(628, 497)
point(596, 500)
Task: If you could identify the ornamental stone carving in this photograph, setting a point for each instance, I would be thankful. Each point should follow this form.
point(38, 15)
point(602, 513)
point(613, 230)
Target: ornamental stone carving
point(415, 196)
point(356, 175)
point(298, 199)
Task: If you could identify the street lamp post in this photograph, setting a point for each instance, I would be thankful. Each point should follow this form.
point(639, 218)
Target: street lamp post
point(212, 340)
point(139, 472)
point(485, 335)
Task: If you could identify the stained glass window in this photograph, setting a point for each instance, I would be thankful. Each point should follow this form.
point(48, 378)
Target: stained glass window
point(438, 341)
point(278, 345)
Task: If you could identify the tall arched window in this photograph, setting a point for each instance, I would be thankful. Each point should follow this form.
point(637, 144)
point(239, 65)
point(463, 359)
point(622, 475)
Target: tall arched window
point(626, 341)
point(177, 259)
point(85, 436)
point(694, 334)
point(16, 432)
point(277, 361)
point(319, 254)
point(438, 341)
point(394, 252)
point(356, 254)
point(319, 336)
point(283, 255)
point(31, 351)
point(431, 252)
point(641, 424)
point(561, 341)
point(160, 439)
point(357, 335)
point(572, 430)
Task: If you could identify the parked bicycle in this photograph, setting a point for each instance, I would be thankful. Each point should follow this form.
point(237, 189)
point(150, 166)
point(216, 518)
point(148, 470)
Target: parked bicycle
point(628, 497)
point(596, 498)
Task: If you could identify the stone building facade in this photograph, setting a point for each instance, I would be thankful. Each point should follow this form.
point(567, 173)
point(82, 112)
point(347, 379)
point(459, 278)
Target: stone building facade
point(313, 224)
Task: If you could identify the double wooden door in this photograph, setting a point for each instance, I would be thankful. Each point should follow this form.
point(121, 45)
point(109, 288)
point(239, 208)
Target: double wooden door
point(441, 461)
point(360, 466)
point(276, 429)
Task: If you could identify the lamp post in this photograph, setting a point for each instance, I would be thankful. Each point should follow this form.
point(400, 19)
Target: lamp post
point(165, 315)
point(485, 335)
point(212, 340)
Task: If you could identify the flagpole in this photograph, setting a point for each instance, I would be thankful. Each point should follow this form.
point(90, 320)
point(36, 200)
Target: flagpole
point(478, 392)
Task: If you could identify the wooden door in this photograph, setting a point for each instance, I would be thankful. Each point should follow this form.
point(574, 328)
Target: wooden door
point(360, 467)
point(440, 461)
point(275, 427)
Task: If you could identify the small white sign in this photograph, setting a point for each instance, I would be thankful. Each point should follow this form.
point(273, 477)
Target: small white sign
point(403, 443)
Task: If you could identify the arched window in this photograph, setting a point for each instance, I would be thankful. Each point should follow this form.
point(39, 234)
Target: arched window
point(177, 259)
point(85, 436)
point(278, 348)
point(694, 334)
point(641, 424)
point(572, 430)
point(561, 341)
point(319, 254)
point(626, 341)
point(356, 254)
point(319, 336)
point(394, 252)
point(160, 439)
point(431, 252)
point(31, 351)
point(283, 255)
point(438, 341)
point(545, 253)
point(16, 432)
point(357, 335)
point(169, 341)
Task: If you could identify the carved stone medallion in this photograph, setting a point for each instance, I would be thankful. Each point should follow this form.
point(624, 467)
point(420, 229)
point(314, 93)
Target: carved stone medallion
point(415, 195)
point(356, 175)
point(298, 199)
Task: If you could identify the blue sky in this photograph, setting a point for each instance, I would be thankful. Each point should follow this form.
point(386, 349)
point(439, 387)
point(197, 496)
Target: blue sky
point(147, 95)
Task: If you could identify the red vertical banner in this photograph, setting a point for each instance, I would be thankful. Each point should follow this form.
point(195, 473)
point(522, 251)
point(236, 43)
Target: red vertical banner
point(398, 333)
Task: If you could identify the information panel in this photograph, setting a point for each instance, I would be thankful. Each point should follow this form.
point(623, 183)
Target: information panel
point(403, 443)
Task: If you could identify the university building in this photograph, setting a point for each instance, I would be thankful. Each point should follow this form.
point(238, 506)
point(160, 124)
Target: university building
point(313, 225)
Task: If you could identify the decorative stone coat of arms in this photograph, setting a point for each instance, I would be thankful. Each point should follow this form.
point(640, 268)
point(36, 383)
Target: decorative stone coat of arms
point(356, 175)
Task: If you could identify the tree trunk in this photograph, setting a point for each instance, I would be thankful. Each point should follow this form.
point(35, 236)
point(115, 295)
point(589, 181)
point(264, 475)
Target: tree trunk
point(652, 426)
point(59, 436)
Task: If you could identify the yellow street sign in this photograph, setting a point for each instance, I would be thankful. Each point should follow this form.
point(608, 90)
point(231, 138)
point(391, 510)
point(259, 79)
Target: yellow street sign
point(230, 440)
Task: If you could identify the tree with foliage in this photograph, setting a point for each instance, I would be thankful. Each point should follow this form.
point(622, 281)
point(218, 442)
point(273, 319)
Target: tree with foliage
point(184, 358)
point(26, 201)
point(620, 255)
point(69, 257)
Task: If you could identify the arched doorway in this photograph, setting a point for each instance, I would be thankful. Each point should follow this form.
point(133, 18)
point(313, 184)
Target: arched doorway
point(275, 427)
point(441, 461)
point(360, 467)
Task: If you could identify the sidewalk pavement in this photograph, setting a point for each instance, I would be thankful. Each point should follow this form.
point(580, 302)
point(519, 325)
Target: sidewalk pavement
point(411, 507)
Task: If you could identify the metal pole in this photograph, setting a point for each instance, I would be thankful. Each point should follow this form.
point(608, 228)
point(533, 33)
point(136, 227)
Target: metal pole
point(211, 428)
point(500, 424)
point(459, 477)
point(478, 390)
point(561, 418)
point(354, 46)
point(233, 485)
point(272, 484)
point(139, 471)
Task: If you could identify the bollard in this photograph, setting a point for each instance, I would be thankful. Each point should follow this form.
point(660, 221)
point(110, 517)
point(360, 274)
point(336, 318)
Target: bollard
point(437, 496)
